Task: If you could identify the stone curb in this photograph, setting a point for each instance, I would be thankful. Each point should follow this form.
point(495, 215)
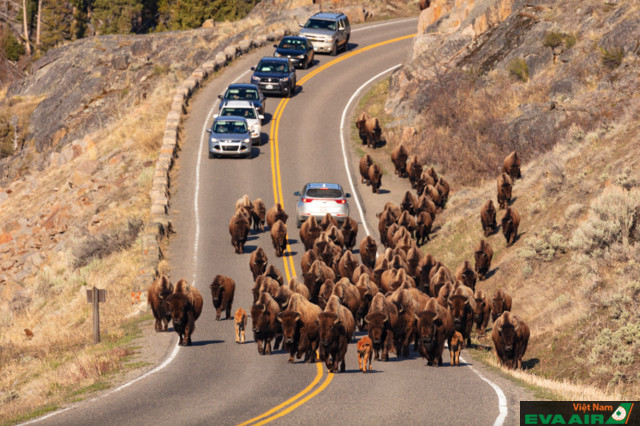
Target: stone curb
point(158, 225)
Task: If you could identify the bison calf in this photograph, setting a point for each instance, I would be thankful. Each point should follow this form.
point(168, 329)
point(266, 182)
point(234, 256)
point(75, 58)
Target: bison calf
point(240, 319)
point(457, 343)
point(365, 352)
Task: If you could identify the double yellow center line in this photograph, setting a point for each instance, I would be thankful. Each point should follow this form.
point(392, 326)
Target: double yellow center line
point(289, 267)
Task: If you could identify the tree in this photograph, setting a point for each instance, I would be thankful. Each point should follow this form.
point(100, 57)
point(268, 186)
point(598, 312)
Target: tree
point(115, 16)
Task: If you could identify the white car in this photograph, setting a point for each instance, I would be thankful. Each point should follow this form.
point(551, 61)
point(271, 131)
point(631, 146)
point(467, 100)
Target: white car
point(247, 110)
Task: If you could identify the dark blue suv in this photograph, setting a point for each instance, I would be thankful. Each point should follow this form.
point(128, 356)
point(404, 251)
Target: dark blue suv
point(275, 76)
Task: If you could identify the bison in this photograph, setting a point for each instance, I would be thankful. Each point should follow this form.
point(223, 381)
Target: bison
point(309, 232)
point(336, 328)
point(365, 353)
point(423, 227)
point(240, 320)
point(258, 262)
point(297, 287)
point(361, 120)
point(482, 313)
point(435, 326)
point(500, 303)
point(157, 296)
point(279, 237)
point(374, 175)
point(239, 230)
point(385, 220)
point(399, 157)
point(369, 130)
point(510, 337)
point(276, 213)
point(299, 329)
point(317, 274)
point(483, 255)
point(414, 170)
point(488, 218)
point(368, 251)
point(349, 232)
point(443, 189)
point(265, 323)
point(185, 310)
point(347, 265)
point(381, 319)
point(462, 304)
point(259, 214)
point(222, 290)
point(457, 343)
point(510, 223)
point(511, 165)
point(467, 275)
point(424, 4)
point(505, 185)
point(426, 204)
point(365, 163)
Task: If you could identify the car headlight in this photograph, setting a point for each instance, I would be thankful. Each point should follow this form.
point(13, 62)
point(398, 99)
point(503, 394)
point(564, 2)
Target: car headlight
point(276, 54)
point(254, 78)
point(300, 56)
point(284, 79)
point(255, 127)
point(246, 140)
point(214, 140)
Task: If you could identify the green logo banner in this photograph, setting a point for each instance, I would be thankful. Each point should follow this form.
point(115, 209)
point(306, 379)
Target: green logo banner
point(579, 413)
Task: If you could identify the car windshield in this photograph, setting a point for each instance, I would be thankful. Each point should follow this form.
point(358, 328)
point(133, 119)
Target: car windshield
point(324, 193)
point(229, 127)
point(248, 113)
point(292, 44)
point(320, 24)
point(268, 66)
point(241, 94)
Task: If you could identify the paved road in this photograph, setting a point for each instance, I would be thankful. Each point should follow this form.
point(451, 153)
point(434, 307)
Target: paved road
point(219, 382)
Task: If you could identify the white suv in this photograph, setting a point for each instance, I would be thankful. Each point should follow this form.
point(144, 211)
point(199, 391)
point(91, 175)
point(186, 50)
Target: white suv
point(247, 110)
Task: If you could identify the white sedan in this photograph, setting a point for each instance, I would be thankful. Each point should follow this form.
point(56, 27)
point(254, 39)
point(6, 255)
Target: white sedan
point(247, 110)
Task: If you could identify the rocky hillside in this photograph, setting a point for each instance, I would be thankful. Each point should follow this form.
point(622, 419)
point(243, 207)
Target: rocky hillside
point(558, 82)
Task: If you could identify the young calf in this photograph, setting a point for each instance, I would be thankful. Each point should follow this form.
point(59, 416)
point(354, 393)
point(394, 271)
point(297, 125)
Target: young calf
point(241, 323)
point(457, 343)
point(365, 352)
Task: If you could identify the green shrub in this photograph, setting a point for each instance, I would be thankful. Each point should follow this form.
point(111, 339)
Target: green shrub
point(543, 246)
point(611, 58)
point(611, 219)
point(553, 39)
point(13, 49)
point(518, 68)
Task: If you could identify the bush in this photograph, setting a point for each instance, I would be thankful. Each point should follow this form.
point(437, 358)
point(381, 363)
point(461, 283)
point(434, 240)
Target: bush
point(555, 39)
point(611, 57)
point(518, 68)
point(103, 245)
point(612, 219)
point(12, 48)
point(543, 246)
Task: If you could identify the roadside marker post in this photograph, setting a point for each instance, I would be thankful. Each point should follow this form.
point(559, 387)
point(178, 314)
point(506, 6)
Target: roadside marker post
point(96, 296)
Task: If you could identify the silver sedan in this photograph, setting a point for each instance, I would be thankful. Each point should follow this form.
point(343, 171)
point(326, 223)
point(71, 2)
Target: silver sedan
point(319, 198)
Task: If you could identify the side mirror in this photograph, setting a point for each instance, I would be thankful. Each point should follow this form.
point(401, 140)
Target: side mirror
point(216, 115)
point(208, 130)
point(220, 97)
point(253, 68)
point(341, 28)
point(297, 193)
point(301, 25)
point(275, 45)
point(261, 117)
point(347, 195)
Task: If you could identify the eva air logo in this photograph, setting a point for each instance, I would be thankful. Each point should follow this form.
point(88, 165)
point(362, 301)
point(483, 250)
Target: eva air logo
point(621, 415)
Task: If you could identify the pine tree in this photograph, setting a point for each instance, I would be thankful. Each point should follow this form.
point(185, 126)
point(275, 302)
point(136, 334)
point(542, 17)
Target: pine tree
point(115, 16)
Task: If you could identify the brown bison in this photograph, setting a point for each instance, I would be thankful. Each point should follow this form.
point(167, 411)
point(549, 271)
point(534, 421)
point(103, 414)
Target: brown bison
point(367, 289)
point(347, 265)
point(365, 353)
point(462, 305)
point(414, 170)
point(482, 313)
point(510, 337)
point(259, 214)
point(467, 275)
point(407, 221)
point(443, 189)
point(423, 227)
point(157, 295)
point(349, 232)
point(307, 260)
point(399, 157)
point(222, 290)
point(239, 230)
point(483, 255)
point(435, 326)
point(369, 130)
point(258, 262)
point(425, 179)
point(408, 203)
point(405, 330)
point(426, 265)
point(297, 287)
point(368, 251)
point(505, 185)
point(385, 220)
point(327, 221)
point(510, 223)
point(276, 213)
point(381, 319)
point(431, 192)
point(265, 323)
point(511, 165)
point(457, 343)
point(279, 237)
point(299, 329)
point(240, 320)
point(424, 4)
point(264, 284)
point(309, 232)
point(425, 204)
point(365, 163)
point(336, 328)
point(318, 273)
point(325, 292)
point(500, 303)
point(488, 218)
point(348, 295)
point(185, 310)
point(374, 175)
point(274, 273)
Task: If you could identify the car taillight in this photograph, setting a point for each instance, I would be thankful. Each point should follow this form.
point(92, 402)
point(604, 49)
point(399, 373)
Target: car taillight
point(307, 200)
point(341, 201)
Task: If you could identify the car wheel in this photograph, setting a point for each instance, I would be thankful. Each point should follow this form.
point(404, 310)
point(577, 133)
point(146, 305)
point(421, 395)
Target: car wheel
point(211, 155)
point(299, 223)
point(334, 50)
point(292, 89)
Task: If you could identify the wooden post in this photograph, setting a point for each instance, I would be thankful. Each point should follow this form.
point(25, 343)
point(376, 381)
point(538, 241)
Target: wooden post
point(95, 296)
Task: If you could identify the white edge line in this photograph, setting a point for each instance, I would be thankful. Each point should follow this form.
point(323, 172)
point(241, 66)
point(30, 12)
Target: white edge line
point(385, 24)
point(502, 399)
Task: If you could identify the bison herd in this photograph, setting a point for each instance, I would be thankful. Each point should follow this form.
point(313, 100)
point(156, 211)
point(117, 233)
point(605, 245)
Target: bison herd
point(402, 297)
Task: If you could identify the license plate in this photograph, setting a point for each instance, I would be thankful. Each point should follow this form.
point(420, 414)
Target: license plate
point(269, 86)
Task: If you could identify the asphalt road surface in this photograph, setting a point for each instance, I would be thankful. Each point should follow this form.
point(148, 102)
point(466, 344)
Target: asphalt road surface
point(219, 382)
